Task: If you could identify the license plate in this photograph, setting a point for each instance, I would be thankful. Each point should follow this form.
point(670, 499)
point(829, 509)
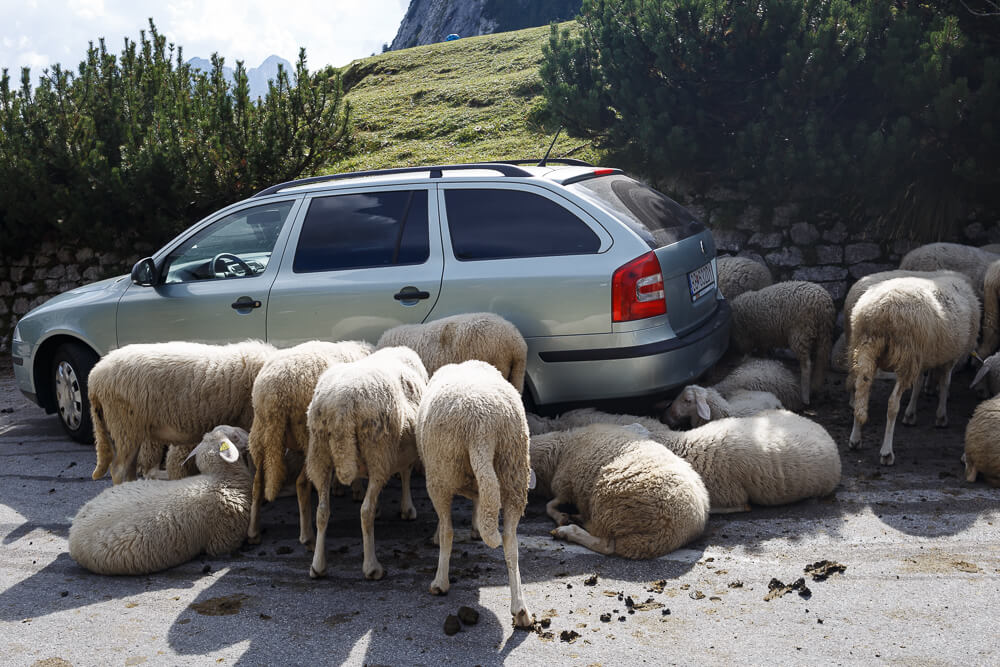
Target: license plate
point(701, 280)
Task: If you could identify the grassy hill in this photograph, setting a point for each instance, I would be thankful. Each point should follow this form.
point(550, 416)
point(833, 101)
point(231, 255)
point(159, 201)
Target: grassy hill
point(463, 101)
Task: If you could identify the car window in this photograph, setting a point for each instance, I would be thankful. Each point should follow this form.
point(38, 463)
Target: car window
point(501, 224)
point(655, 217)
point(237, 246)
point(364, 230)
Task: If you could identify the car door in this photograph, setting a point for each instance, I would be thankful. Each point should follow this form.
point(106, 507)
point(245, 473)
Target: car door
point(361, 261)
point(213, 285)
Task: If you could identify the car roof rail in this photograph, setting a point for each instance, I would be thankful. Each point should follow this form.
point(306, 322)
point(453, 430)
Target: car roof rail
point(573, 162)
point(505, 168)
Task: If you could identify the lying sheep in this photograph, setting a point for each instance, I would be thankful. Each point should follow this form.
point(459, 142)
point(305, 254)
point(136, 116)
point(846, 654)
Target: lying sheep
point(451, 340)
point(362, 421)
point(150, 525)
point(472, 436)
point(908, 325)
point(770, 375)
point(281, 396)
point(635, 498)
point(772, 458)
point(991, 311)
point(982, 444)
point(146, 396)
point(741, 274)
point(703, 404)
point(965, 259)
point(795, 314)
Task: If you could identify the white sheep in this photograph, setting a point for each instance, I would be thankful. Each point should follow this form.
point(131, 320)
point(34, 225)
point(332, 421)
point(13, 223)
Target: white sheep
point(906, 326)
point(472, 436)
point(362, 422)
point(144, 397)
point(280, 397)
point(794, 314)
point(982, 443)
point(451, 340)
point(635, 497)
point(991, 311)
point(965, 259)
point(756, 374)
point(702, 404)
point(149, 525)
point(771, 458)
point(741, 274)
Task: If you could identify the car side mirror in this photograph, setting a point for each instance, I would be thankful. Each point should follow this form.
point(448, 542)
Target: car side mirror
point(144, 272)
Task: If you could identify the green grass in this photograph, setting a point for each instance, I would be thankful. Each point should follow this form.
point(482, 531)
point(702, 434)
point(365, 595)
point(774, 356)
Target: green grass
point(468, 100)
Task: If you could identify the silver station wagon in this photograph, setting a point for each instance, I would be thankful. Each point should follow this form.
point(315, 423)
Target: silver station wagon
point(611, 283)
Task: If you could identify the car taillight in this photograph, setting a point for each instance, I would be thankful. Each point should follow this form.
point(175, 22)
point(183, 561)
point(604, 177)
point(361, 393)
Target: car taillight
point(637, 290)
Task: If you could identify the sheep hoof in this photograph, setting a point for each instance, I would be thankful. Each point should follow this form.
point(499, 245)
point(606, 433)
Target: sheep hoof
point(909, 420)
point(375, 573)
point(888, 459)
point(314, 574)
point(436, 589)
point(522, 619)
point(941, 422)
point(408, 514)
point(253, 539)
point(854, 445)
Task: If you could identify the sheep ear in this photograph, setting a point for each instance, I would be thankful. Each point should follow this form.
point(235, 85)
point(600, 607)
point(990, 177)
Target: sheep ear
point(228, 451)
point(532, 480)
point(980, 374)
point(703, 410)
point(970, 473)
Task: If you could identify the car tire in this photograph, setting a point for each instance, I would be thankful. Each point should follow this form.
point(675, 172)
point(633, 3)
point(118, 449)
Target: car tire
point(70, 368)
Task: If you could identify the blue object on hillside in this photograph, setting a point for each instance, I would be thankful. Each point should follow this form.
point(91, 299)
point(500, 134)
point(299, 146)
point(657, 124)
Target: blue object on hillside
point(452, 37)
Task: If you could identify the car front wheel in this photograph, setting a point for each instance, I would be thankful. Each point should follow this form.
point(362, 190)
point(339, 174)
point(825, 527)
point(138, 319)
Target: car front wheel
point(70, 367)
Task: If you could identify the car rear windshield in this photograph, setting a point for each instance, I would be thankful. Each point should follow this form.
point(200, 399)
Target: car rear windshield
point(655, 217)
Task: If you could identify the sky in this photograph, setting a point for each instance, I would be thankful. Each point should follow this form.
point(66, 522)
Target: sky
point(38, 33)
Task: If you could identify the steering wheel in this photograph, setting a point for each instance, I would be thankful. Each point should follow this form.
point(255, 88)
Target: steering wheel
point(230, 260)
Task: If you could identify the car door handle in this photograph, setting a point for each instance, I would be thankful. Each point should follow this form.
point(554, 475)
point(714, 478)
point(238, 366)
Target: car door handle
point(408, 296)
point(245, 302)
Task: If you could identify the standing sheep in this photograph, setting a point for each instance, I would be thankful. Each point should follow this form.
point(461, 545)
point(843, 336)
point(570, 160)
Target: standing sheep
point(281, 396)
point(795, 314)
point(965, 259)
point(982, 443)
point(741, 274)
point(451, 340)
point(908, 325)
point(703, 404)
point(150, 525)
point(635, 498)
point(472, 436)
point(991, 311)
point(146, 396)
point(362, 421)
point(990, 372)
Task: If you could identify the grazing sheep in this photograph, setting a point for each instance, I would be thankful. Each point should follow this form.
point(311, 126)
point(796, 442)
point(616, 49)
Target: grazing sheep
point(908, 325)
point(982, 443)
point(149, 525)
point(362, 422)
point(990, 372)
point(741, 274)
point(472, 436)
point(771, 458)
point(281, 396)
point(146, 396)
point(991, 311)
point(965, 259)
point(635, 498)
point(451, 340)
point(703, 404)
point(795, 314)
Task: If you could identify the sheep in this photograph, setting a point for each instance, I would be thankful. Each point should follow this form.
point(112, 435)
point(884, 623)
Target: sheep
point(908, 325)
point(965, 259)
point(150, 525)
point(635, 498)
point(741, 274)
point(795, 314)
point(772, 458)
point(990, 372)
point(703, 404)
point(281, 396)
point(451, 340)
point(145, 396)
point(991, 311)
point(982, 446)
point(755, 374)
point(472, 435)
point(362, 420)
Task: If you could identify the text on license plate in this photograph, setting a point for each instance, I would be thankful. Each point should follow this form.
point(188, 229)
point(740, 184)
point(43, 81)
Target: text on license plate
point(701, 280)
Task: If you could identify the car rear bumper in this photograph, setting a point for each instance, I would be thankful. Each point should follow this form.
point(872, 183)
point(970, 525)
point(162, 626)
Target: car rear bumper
point(642, 363)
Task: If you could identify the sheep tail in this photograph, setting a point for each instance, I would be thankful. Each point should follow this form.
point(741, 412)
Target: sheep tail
point(267, 449)
point(102, 439)
point(488, 513)
point(864, 366)
point(346, 459)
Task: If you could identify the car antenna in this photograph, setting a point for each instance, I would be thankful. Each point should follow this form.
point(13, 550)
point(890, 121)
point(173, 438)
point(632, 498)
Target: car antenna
point(542, 163)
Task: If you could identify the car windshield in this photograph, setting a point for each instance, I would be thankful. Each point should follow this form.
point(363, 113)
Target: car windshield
point(655, 217)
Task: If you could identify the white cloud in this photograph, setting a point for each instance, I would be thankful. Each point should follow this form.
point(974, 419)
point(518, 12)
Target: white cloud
point(333, 32)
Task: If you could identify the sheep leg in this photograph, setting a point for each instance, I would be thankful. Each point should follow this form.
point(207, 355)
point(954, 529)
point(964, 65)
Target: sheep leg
point(445, 532)
point(551, 508)
point(944, 383)
point(407, 510)
point(579, 535)
point(370, 566)
point(475, 519)
point(318, 567)
point(910, 415)
point(303, 489)
point(518, 607)
point(886, 455)
point(253, 529)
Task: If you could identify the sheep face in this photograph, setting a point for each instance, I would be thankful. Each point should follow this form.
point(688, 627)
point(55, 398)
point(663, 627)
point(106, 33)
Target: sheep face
point(691, 403)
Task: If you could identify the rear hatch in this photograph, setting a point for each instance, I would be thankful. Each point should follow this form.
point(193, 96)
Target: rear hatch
point(682, 244)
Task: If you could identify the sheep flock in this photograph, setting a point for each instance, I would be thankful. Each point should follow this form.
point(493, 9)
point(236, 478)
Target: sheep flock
point(445, 399)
